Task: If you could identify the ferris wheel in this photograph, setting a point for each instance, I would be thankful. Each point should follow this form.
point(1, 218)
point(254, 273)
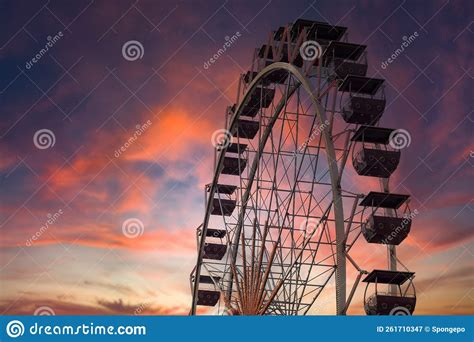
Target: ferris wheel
point(281, 216)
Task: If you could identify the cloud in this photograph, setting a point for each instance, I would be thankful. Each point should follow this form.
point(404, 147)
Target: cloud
point(118, 307)
point(101, 307)
point(107, 236)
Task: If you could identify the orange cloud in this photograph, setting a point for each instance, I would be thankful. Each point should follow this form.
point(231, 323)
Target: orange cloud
point(173, 136)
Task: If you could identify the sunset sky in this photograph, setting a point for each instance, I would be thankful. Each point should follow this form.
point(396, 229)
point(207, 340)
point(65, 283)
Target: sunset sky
point(92, 99)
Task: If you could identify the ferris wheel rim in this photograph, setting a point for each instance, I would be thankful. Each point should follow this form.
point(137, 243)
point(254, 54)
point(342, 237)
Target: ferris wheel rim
point(332, 167)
